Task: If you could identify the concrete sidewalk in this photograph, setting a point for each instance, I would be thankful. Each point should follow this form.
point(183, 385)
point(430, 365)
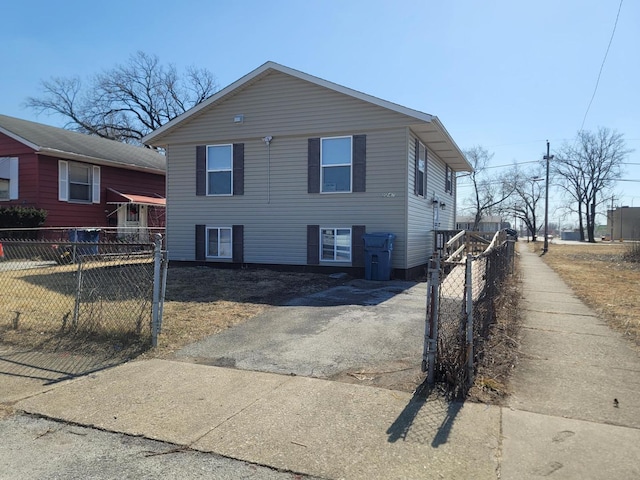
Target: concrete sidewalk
point(563, 420)
point(310, 426)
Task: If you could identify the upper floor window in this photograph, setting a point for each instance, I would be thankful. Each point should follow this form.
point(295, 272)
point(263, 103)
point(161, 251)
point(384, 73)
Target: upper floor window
point(448, 180)
point(421, 169)
point(220, 170)
point(335, 164)
point(78, 182)
point(8, 178)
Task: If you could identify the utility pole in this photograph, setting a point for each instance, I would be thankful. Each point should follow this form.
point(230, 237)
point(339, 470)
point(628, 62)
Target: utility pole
point(611, 215)
point(545, 249)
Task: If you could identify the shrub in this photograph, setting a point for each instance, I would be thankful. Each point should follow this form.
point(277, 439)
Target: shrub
point(21, 217)
point(633, 252)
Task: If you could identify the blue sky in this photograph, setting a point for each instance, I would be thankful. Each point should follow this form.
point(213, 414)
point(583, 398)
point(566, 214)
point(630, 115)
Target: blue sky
point(506, 75)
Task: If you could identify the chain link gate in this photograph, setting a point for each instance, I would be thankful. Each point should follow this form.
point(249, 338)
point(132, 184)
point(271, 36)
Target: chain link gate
point(79, 306)
point(459, 312)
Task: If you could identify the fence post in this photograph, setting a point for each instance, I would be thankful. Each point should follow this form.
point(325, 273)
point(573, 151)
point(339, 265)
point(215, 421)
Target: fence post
point(469, 311)
point(512, 254)
point(76, 308)
point(155, 312)
point(163, 289)
point(431, 320)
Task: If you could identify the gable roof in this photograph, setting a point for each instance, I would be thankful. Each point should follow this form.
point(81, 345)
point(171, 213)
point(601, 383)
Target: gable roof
point(427, 127)
point(61, 143)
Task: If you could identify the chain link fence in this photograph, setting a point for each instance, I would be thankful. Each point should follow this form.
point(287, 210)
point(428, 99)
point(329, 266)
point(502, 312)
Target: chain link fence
point(81, 291)
point(460, 312)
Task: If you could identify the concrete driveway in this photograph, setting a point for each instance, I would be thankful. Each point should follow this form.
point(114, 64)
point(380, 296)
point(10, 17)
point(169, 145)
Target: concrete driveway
point(371, 332)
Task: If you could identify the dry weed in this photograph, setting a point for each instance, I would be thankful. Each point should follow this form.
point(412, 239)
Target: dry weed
point(603, 278)
point(499, 353)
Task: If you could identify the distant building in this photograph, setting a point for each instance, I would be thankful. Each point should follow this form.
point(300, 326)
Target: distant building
point(623, 223)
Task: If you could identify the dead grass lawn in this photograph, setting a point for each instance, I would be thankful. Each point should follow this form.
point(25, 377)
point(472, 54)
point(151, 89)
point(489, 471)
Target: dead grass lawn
point(603, 279)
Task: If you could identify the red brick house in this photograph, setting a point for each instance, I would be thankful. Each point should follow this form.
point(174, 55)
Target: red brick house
point(80, 180)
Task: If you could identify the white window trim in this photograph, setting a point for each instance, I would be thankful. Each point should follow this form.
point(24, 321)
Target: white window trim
point(335, 244)
point(207, 232)
point(424, 170)
point(225, 170)
point(350, 165)
point(13, 177)
point(95, 187)
point(63, 183)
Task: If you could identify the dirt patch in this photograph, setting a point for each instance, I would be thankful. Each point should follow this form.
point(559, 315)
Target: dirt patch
point(402, 376)
point(603, 276)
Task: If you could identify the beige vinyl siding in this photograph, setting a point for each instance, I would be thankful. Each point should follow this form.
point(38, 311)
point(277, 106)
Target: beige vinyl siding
point(420, 225)
point(276, 208)
point(419, 211)
point(278, 105)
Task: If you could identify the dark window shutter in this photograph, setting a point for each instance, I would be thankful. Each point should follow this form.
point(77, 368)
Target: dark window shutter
point(238, 168)
point(313, 244)
point(357, 245)
point(201, 239)
point(201, 170)
point(313, 165)
point(359, 163)
point(416, 168)
point(238, 243)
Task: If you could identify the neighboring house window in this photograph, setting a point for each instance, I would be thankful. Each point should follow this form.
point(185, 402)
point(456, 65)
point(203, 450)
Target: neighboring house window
point(421, 168)
point(78, 182)
point(220, 170)
point(335, 244)
point(133, 213)
point(8, 178)
point(449, 180)
point(335, 164)
point(219, 242)
point(4, 189)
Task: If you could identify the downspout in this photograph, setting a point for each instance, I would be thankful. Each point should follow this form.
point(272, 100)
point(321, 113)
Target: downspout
point(267, 141)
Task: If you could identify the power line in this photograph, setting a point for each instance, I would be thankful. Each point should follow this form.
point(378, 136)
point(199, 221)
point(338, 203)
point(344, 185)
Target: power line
point(584, 119)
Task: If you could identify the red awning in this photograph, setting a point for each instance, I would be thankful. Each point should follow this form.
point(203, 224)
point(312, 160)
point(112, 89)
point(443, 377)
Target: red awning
point(114, 196)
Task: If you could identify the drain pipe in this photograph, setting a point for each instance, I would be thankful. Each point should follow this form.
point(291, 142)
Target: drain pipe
point(267, 141)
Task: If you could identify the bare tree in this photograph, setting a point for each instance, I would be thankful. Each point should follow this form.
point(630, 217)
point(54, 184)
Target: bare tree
point(128, 101)
point(528, 194)
point(587, 169)
point(488, 192)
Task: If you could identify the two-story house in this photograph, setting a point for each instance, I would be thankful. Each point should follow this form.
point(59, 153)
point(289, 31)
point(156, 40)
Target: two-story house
point(284, 168)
